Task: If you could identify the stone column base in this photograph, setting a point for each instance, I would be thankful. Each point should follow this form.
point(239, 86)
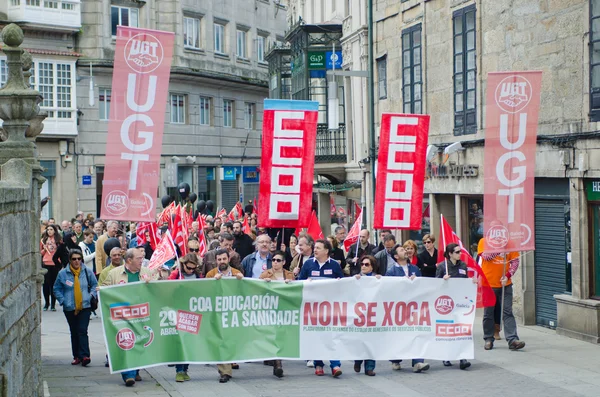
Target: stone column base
point(578, 318)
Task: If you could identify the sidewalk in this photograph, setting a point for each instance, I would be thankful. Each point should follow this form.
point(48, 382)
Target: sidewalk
point(549, 366)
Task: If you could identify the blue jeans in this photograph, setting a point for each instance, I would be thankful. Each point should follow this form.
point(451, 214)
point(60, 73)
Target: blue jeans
point(414, 361)
point(332, 363)
point(181, 368)
point(369, 364)
point(78, 326)
point(129, 374)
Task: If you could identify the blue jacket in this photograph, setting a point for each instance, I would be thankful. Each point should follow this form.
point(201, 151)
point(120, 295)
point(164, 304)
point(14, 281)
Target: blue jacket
point(250, 260)
point(63, 287)
point(398, 271)
point(310, 269)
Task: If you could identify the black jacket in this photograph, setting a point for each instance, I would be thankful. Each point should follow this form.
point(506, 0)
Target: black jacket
point(355, 267)
point(458, 270)
point(243, 245)
point(428, 263)
point(338, 255)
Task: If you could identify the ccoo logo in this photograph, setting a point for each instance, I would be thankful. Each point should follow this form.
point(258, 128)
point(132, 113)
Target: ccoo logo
point(116, 202)
point(513, 93)
point(444, 305)
point(143, 53)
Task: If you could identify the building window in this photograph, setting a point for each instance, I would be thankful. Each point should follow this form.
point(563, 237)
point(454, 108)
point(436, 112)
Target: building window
point(260, 48)
point(191, 33)
point(123, 16)
point(55, 81)
point(465, 111)
point(177, 109)
point(3, 72)
point(204, 110)
point(104, 103)
point(51, 4)
point(595, 60)
point(249, 110)
point(219, 37)
point(68, 6)
point(382, 77)
point(411, 70)
point(241, 51)
point(34, 3)
point(227, 113)
point(15, 2)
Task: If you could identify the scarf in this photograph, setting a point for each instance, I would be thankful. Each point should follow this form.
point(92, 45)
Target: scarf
point(77, 291)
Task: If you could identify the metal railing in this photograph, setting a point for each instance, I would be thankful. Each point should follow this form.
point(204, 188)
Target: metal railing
point(331, 144)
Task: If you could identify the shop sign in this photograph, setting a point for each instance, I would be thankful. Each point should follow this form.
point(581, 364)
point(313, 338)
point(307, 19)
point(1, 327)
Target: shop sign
point(452, 170)
point(316, 60)
point(593, 190)
point(250, 174)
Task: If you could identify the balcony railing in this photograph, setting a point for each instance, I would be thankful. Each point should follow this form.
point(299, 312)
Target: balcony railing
point(331, 144)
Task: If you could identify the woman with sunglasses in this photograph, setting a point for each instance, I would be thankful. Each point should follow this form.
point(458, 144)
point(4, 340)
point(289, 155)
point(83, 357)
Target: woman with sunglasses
point(74, 288)
point(369, 268)
point(429, 256)
point(456, 269)
point(190, 267)
point(277, 272)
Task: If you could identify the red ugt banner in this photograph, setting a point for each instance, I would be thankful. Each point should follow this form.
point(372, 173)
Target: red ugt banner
point(139, 92)
point(287, 163)
point(513, 102)
point(401, 171)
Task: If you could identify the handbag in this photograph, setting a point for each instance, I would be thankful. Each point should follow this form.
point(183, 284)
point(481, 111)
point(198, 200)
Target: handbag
point(93, 299)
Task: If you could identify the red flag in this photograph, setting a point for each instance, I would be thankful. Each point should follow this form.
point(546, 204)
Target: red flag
point(180, 231)
point(357, 209)
point(221, 213)
point(152, 229)
point(255, 205)
point(202, 236)
point(287, 163)
point(314, 229)
point(512, 107)
point(332, 204)
point(165, 215)
point(165, 250)
point(401, 171)
point(352, 236)
point(485, 294)
point(140, 86)
point(246, 226)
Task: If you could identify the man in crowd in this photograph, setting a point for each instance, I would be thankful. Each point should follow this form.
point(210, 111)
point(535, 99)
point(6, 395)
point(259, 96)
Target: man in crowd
point(322, 266)
point(499, 269)
point(382, 234)
point(116, 260)
point(257, 262)
point(226, 243)
point(65, 226)
point(51, 221)
point(78, 230)
point(305, 247)
point(363, 247)
point(98, 229)
point(130, 272)
point(340, 235)
point(193, 247)
point(223, 269)
point(242, 243)
point(385, 258)
point(111, 231)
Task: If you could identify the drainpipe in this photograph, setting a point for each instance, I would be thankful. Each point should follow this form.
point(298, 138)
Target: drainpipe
point(371, 96)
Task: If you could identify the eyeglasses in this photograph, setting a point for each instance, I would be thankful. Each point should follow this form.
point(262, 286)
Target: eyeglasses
point(194, 249)
point(366, 264)
point(428, 242)
point(189, 267)
point(277, 260)
point(456, 252)
point(77, 259)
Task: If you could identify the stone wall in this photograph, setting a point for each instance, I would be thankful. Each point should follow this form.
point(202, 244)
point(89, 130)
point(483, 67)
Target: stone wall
point(20, 281)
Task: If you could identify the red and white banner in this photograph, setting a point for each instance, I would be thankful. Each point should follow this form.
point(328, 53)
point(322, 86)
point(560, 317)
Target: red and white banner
point(513, 102)
point(287, 164)
point(401, 171)
point(140, 87)
point(165, 250)
point(352, 236)
point(314, 228)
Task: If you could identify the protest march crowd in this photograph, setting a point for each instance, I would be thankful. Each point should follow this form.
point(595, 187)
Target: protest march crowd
point(85, 254)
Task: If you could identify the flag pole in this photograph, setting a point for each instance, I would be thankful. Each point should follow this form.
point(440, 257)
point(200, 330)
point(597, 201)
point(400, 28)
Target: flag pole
point(176, 256)
point(444, 241)
point(502, 303)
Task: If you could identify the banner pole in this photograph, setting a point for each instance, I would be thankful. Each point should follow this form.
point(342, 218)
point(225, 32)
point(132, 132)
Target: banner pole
point(502, 303)
point(444, 241)
point(176, 256)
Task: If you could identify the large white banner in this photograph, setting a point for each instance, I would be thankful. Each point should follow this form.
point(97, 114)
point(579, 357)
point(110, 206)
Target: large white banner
point(388, 318)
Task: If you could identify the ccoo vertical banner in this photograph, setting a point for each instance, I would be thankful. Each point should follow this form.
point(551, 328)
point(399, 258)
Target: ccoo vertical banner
point(140, 86)
point(401, 171)
point(287, 163)
point(513, 102)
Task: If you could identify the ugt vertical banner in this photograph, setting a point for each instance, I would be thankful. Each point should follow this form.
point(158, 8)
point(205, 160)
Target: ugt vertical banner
point(513, 102)
point(140, 87)
point(401, 171)
point(287, 163)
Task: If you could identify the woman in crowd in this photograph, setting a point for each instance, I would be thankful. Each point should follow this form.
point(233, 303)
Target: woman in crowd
point(290, 252)
point(411, 253)
point(429, 256)
point(74, 288)
point(88, 247)
point(61, 256)
point(369, 268)
point(456, 269)
point(337, 253)
point(48, 245)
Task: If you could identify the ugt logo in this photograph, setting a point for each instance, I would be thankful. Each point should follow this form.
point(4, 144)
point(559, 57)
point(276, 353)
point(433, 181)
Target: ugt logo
point(513, 93)
point(143, 53)
point(117, 202)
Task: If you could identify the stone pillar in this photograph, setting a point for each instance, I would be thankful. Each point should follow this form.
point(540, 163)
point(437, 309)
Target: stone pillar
point(458, 213)
point(21, 275)
point(324, 213)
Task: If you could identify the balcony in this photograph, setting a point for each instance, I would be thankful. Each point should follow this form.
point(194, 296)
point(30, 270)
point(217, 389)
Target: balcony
point(331, 144)
point(55, 13)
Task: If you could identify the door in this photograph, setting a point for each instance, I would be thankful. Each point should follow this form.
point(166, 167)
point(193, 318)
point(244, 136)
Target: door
point(552, 224)
point(595, 223)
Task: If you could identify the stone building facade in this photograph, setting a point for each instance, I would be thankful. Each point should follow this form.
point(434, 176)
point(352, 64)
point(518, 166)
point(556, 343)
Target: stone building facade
point(433, 57)
point(219, 78)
